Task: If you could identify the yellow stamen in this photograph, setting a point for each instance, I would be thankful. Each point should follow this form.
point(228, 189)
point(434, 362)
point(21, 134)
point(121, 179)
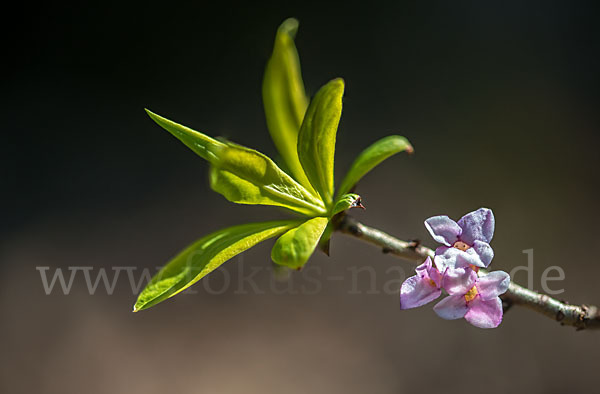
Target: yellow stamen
point(461, 245)
point(471, 294)
point(432, 283)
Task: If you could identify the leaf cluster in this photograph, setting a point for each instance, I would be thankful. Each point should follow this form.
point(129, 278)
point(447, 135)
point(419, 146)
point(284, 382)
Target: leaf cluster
point(304, 132)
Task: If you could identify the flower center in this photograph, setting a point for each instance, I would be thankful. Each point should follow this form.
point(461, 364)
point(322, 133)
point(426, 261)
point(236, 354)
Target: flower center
point(432, 283)
point(471, 294)
point(461, 245)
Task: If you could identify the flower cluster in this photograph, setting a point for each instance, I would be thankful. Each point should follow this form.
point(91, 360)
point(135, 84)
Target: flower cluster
point(455, 269)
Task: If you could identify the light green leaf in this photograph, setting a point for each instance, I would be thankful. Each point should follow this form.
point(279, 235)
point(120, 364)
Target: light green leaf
point(325, 238)
point(244, 175)
point(204, 146)
point(316, 140)
point(203, 257)
point(284, 98)
point(294, 248)
point(345, 202)
point(371, 157)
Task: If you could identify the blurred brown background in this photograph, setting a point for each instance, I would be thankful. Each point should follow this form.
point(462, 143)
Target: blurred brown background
point(499, 99)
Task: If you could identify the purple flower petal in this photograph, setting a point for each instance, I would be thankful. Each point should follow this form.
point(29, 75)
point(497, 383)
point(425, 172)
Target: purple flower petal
point(459, 281)
point(424, 267)
point(427, 270)
point(468, 258)
point(484, 251)
point(422, 288)
point(485, 313)
point(477, 226)
point(446, 257)
point(451, 307)
point(417, 291)
point(443, 229)
point(493, 284)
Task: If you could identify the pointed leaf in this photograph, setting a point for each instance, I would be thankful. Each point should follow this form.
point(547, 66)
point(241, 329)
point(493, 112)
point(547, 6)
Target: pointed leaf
point(203, 257)
point(346, 202)
point(316, 140)
point(371, 157)
point(284, 98)
point(244, 175)
point(203, 145)
point(294, 248)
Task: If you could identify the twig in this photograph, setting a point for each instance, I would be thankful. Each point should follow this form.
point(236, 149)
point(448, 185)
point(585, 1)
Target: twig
point(578, 316)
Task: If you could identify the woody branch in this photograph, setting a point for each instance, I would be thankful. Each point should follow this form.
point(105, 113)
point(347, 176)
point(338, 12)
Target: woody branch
point(579, 316)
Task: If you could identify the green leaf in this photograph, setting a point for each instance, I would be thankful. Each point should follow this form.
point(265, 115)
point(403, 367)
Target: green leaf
point(203, 145)
point(203, 257)
point(294, 248)
point(244, 175)
point(371, 157)
point(325, 238)
point(316, 140)
point(284, 98)
point(346, 202)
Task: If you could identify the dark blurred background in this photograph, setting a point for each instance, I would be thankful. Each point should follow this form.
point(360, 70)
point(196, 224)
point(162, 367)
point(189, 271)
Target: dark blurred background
point(500, 100)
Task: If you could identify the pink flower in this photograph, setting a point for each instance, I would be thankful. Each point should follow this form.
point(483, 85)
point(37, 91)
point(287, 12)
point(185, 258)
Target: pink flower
point(422, 288)
point(468, 238)
point(456, 271)
point(472, 297)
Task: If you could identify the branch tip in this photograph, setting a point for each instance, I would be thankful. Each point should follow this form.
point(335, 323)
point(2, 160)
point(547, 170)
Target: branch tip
point(578, 316)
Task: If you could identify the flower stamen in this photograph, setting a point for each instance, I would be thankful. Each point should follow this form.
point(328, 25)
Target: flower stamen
point(461, 245)
point(471, 294)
